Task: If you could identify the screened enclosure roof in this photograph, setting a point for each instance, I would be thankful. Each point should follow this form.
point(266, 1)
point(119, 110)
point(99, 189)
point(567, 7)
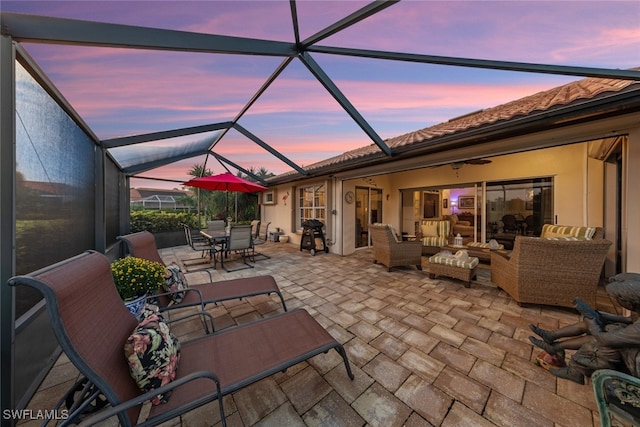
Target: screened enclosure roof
point(283, 85)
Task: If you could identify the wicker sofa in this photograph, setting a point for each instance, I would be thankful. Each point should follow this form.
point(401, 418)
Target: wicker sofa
point(551, 270)
point(392, 252)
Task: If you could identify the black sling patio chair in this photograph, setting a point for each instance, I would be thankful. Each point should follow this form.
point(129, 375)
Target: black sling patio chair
point(92, 325)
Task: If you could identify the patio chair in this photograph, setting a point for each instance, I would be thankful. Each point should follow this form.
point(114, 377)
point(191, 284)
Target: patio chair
point(239, 242)
point(143, 245)
point(390, 251)
point(261, 239)
point(215, 225)
point(529, 226)
point(550, 272)
point(255, 228)
point(202, 246)
point(509, 224)
point(92, 326)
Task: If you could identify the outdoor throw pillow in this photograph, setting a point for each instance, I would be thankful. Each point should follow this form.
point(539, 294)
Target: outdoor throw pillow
point(551, 235)
point(176, 283)
point(429, 230)
point(152, 353)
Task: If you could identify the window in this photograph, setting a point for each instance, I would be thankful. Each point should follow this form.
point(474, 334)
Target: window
point(529, 201)
point(269, 197)
point(311, 204)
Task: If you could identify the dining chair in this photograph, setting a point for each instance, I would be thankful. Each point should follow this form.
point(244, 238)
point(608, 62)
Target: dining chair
point(215, 225)
point(261, 239)
point(239, 241)
point(255, 228)
point(204, 247)
point(510, 224)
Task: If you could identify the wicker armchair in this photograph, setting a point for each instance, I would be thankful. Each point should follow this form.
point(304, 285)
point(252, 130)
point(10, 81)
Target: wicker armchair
point(389, 251)
point(550, 272)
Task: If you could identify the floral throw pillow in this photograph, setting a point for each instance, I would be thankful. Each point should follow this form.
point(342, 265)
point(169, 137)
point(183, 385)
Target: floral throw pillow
point(176, 283)
point(152, 353)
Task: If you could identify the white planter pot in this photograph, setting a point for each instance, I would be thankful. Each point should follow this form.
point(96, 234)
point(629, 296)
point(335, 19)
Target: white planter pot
point(136, 305)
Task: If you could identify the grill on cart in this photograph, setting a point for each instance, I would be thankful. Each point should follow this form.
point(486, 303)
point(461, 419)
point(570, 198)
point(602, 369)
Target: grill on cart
point(313, 237)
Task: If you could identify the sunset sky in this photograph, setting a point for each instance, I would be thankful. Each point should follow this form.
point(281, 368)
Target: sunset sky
point(120, 92)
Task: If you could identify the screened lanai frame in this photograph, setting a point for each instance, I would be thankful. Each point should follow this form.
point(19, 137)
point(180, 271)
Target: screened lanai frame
point(57, 30)
point(21, 28)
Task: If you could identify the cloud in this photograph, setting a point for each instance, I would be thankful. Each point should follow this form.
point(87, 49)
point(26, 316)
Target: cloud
point(122, 92)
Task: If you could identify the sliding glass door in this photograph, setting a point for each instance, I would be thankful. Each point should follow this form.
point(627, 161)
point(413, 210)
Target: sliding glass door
point(368, 211)
point(519, 207)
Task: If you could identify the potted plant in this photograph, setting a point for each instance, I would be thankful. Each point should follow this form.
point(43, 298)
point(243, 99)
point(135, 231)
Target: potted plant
point(135, 278)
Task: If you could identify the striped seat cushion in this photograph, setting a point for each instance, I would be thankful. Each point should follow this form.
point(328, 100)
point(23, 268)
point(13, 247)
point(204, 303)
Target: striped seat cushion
point(442, 228)
point(469, 263)
point(482, 245)
point(566, 238)
point(564, 232)
point(434, 241)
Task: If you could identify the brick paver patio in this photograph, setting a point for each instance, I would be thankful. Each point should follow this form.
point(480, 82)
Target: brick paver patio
point(424, 352)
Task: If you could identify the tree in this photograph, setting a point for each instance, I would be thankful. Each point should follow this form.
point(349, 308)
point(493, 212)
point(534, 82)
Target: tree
point(205, 200)
point(244, 206)
point(247, 203)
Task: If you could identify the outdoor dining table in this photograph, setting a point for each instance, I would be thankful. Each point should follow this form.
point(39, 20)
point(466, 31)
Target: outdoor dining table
point(216, 237)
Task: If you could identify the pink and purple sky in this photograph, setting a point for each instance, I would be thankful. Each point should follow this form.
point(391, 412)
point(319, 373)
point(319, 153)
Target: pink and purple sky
point(120, 92)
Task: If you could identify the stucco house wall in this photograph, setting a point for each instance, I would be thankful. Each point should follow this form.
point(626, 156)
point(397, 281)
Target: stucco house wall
point(578, 190)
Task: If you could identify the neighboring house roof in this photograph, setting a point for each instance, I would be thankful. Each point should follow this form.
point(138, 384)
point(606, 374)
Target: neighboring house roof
point(151, 197)
point(562, 99)
point(143, 193)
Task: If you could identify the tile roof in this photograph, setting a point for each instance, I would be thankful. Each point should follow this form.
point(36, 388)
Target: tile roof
point(558, 97)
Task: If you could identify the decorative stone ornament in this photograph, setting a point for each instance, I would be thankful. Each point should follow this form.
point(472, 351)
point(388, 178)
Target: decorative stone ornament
point(349, 197)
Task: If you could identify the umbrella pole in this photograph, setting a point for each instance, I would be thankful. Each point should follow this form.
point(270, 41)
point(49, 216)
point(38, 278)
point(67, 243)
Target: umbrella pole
point(198, 208)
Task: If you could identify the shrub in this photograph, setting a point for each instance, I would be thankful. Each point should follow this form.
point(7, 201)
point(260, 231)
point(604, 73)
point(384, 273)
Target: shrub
point(157, 221)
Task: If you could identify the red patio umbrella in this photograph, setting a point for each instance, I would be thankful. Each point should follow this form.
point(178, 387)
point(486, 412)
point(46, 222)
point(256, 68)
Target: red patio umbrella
point(225, 182)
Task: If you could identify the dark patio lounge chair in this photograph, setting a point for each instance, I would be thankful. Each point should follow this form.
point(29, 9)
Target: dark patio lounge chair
point(92, 326)
point(143, 245)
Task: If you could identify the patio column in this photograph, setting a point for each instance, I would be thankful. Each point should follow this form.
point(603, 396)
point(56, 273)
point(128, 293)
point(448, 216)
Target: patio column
point(7, 221)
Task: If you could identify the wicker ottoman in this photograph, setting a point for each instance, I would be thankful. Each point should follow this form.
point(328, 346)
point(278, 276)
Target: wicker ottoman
point(452, 267)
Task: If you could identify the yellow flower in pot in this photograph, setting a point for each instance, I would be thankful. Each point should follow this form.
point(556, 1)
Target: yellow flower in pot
point(135, 277)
